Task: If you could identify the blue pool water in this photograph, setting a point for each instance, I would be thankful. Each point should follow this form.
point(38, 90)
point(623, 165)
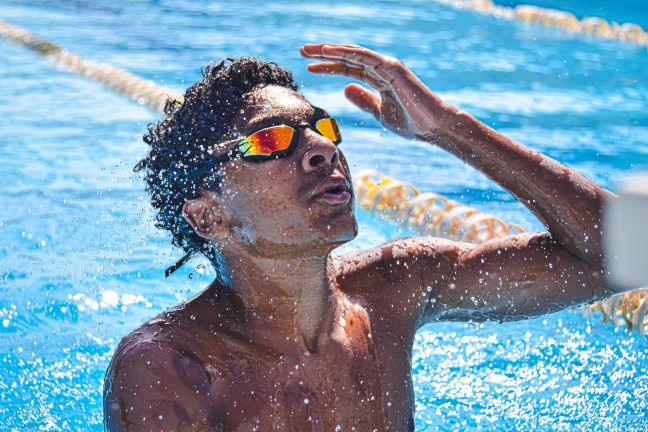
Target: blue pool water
point(81, 264)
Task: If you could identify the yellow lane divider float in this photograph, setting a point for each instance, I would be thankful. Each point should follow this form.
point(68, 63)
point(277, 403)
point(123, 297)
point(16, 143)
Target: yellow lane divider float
point(426, 212)
point(593, 26)
point(397, 201)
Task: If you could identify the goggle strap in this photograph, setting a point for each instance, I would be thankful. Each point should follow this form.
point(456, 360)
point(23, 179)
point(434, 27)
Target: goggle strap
point(168, 272)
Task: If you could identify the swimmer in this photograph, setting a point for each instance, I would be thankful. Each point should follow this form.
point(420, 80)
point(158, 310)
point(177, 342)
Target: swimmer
point(288, 337)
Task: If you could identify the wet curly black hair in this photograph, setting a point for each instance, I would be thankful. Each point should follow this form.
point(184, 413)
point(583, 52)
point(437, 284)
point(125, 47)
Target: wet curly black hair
point(179, 143)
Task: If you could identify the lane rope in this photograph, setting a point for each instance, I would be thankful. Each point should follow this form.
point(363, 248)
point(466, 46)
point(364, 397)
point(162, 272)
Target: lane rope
point(592, 26)
point(142, 91)
point(394, 200)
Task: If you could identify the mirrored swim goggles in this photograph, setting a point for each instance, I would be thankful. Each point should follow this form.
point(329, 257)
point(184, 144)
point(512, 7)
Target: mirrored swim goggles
point(280, 140)
point(269, 143)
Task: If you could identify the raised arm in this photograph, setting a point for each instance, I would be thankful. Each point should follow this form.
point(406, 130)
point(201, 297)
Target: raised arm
point(512, 277)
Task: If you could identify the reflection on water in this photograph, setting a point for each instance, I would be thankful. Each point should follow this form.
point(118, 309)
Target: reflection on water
point(81, 264)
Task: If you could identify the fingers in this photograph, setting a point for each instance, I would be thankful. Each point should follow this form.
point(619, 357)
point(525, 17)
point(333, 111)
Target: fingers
point(315, 50)
point(334, 68)
point(364, 99)
point(354, 54)
point(381, 67)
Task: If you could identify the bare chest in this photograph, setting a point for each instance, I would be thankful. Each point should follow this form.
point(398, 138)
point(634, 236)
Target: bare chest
point(356, 386)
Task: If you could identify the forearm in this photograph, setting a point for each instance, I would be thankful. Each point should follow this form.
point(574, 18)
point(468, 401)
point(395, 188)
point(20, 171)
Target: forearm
point(569, 204)
point(566, 202)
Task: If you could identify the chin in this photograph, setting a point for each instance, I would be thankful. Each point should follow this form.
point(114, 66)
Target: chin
point(339, 227)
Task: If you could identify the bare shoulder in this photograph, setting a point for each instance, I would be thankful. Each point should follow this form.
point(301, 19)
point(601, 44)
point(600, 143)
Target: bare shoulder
point(400, 261)
point(393, 281)
point(155, 381)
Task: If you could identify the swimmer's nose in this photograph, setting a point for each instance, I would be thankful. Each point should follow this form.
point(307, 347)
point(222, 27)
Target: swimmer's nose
point(322, 154)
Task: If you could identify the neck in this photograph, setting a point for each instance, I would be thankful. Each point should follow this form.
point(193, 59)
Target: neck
point(282, 299)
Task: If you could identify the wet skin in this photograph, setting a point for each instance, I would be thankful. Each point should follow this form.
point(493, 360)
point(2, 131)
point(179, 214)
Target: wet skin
point(295, 339)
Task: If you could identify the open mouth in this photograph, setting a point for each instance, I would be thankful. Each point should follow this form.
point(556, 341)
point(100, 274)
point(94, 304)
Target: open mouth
point(334, 195)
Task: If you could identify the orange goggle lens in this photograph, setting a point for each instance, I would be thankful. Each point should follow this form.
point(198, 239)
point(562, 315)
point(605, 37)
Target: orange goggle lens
point(328, 128)
point(268, 141)
point(280, 139)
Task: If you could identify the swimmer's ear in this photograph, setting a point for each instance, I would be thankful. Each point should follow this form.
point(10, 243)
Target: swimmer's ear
point(204, 215)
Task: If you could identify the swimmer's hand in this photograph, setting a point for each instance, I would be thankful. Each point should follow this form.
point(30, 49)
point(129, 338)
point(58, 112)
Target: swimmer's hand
point(404, 104)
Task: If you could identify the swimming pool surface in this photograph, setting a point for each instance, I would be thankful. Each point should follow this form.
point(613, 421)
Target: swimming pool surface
point(81, 264)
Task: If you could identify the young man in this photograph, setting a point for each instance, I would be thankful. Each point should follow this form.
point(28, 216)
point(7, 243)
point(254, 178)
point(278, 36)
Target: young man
point(287, 337)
